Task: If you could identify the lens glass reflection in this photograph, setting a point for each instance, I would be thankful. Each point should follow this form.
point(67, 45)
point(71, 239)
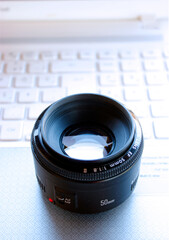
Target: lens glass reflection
point(87, 144)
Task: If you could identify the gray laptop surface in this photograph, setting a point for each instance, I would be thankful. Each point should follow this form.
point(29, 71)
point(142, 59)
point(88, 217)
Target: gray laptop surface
point(127, 42)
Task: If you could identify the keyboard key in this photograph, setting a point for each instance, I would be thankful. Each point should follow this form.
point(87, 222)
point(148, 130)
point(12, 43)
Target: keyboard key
point(24, 81)
point(5, 80)
point(35, 110)
point(79, 83)
point(160, 109)
point(28, 96)
point(30, 56)
point(15, 67)
point(108, 66)
point(1, 66)
point(151, 53)
point(134, 79)
point(153, 65)
point(78, 80)
point(110, 79)
point(11, 131)
point(51, 95)
point(85, 54)
point(112, 92)
point(78, 90)
point(38, 67)
point(161, 127)
point(49, 55)
point(72, 66)
point(129, 54)
point(140, 109)
point(130, 65)
point(11, 56)
point(134, 94)
point(158, 93)
point(27, 129)
point(7, 95)
point(107, 54)
point(156, 78)
point(14, 112)
point(68, 55)
point(48, 81)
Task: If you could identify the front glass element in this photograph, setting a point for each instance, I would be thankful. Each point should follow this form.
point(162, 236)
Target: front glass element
point(87, 144)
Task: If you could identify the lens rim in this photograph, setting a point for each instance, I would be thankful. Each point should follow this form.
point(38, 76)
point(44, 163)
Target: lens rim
point(57, 106)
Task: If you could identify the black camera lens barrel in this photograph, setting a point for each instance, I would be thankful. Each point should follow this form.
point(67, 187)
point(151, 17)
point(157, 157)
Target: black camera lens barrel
point(87, 185)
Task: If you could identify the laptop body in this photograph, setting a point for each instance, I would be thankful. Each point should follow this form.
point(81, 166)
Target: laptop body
point(115, 26)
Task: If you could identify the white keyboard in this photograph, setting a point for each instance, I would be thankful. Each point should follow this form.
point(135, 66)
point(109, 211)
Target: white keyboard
point(30, 81)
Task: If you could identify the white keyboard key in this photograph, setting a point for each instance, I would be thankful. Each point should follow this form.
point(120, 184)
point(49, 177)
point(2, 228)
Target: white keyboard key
point(27, 129)
point(15, 67)
point(134, 79)
point(160, 109)
point(35, 110)
point(140, 109)
point(79, 80)
point(14, 112)
point(11, 56)
point(49, 55)
point(130, 65)
point(108, 66)
point(85, 54)
point(28, 96)
point(7, 95)
point(112, 92)
point(153, 65)
point(110, 79)
point(11, 131)
point(1, 66)
point(78, 90)
point(72, 66)
point(107, 54)
point(48, 81)
point(129, 54)
point(158, 93)
point(68, 55)
point(24, 81)
point(30, 56)
point(5, 80)
point(161, 127)
point(151, 53)
point(134, 94)
point(53, 94)
point(156, 78)
point(38, 67)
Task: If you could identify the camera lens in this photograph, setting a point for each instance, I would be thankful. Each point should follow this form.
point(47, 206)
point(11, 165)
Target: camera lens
point(87, 150)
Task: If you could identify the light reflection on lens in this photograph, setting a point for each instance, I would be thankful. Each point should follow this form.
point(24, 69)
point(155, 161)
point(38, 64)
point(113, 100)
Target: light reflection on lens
point(87, 145)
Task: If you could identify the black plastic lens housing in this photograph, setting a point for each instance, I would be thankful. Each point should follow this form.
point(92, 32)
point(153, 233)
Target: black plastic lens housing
point(87, 150)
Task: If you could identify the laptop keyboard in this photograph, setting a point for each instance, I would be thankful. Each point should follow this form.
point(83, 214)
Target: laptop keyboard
point(31, 81)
